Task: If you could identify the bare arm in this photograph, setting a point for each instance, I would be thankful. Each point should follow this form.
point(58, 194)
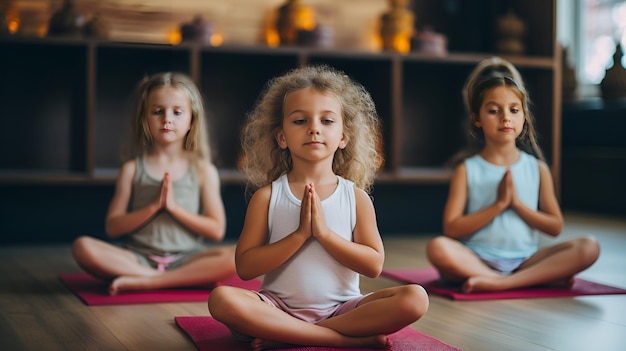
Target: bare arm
point(211, 224)
point(119, 221)
point(366, 253)
point(548, 219)
point(456, 223)
point(253, 256)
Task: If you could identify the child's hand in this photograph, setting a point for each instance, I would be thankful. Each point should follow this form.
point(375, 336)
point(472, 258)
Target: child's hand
point(515, 200)
point(305, 211)
point(161, 197)
point(165, 198)
point(318, 223)
point(167, 193)
point(506, 190)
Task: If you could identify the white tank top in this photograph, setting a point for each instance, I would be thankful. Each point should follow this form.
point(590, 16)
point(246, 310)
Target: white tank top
point(312, 278)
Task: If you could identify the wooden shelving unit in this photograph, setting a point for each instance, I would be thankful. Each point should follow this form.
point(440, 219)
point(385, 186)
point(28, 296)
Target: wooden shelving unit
point(66, 100)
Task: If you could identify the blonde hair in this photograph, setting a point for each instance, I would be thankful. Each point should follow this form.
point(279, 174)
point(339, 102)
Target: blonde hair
point(264, 161)
point(487, 75)
point(197, 139)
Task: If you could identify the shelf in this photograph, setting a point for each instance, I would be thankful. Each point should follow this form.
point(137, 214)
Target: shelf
point(227, 176)
point(40, 177)
point(73, 95)
point(416, 175)
point(452, 57)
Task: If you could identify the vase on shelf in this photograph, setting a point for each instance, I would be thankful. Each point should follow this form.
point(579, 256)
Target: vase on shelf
point(294, 17)
point(510, 31)
point(613, 85)
point(198, 30)
point(96, 27)
point(430, 42)
point(65, 21)
point(7, 11)
point(397, 27)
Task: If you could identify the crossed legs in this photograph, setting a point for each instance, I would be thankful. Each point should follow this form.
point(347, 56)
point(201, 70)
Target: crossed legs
point(555, 264)
point(378, 314)
point(110, 262)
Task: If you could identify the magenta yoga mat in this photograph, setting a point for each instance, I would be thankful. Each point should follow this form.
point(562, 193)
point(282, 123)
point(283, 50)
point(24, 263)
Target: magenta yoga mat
point(94, 291)
point(429, 279)
point(210, 335)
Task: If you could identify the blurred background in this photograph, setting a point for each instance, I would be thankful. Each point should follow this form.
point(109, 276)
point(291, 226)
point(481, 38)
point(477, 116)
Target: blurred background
point(240, 22)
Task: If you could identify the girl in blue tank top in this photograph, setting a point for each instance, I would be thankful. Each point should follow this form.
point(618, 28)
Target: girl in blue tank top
point(502, 196)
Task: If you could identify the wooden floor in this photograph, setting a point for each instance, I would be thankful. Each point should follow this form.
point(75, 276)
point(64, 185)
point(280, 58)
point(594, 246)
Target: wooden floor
point(39, 313)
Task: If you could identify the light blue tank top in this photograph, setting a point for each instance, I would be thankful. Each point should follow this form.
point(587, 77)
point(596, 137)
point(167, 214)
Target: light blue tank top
point(507, 236)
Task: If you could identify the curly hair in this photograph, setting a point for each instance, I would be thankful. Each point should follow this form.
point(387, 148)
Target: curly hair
point(197, 139)
point(487, 75)
point(263, 160)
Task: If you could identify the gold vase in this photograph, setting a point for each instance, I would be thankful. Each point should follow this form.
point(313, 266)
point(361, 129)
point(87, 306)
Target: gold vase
point(397, 27)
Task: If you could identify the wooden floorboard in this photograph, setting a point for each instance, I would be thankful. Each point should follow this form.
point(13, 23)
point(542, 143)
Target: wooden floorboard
point(37, 312)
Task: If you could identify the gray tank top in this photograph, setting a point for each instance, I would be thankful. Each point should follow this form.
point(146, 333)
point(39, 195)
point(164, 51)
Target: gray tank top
point(164, 235)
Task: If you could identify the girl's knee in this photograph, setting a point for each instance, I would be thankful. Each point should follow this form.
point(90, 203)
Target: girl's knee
point(415, 300)
point(81, 246)
point(589, 249)
point(80, 241)
point(441, 251)
point(217, 296)
point(436, 247)
point(220, 301)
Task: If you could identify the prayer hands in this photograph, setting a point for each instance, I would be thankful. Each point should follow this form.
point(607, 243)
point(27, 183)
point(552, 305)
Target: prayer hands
point(507, 195)
point(166, 194)
point(312, 220)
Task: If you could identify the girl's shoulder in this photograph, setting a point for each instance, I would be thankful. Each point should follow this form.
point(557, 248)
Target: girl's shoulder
point(543, 166)
point(129, 165)
point(205, 170)
point(532, 158)
point(459, 170)
point(262, 194)
point(203, 165)
point(345, 181)
point(127, 171)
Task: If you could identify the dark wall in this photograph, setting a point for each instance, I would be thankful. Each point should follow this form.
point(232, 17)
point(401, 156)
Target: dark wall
point(38, 214)
point(594, 157)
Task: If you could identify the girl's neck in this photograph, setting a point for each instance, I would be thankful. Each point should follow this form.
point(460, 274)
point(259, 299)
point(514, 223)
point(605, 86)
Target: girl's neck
point(325, 181)
point(173, 161)
point(305, 173)
point(173, 151)
point(501, 155)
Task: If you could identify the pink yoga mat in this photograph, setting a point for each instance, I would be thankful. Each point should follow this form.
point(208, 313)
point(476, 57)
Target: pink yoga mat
point(429, 279)
point(210, 335)
point(94, 292)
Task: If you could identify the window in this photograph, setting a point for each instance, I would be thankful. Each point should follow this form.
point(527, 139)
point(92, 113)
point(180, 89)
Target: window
point(590, 30)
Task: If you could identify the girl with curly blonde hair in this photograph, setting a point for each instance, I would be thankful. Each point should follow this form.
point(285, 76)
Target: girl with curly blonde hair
point(310, 150)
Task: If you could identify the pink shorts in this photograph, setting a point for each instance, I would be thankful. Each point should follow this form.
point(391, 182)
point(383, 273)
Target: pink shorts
point(309, 314)
point(306, 314)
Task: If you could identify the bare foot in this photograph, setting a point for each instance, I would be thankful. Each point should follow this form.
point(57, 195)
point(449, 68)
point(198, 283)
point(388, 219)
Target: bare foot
point(483, 283)
point(488, 283)
point(566, 283)
point(259, 344)
point(128, 283)
point(377, 341)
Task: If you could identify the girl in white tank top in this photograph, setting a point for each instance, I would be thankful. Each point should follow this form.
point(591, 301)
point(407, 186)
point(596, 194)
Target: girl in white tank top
point(310, 150)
